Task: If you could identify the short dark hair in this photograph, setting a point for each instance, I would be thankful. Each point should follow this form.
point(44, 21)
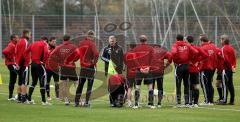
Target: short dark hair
point(44, 38)
point(132, 45)
point(13, 36)
point(25, 31)
point(204, 39)
point(90, 33)
point(143, 38)
point(190, 39)
point(179, 37)
point(66, 37)
point(226, 41)
point(52, 38)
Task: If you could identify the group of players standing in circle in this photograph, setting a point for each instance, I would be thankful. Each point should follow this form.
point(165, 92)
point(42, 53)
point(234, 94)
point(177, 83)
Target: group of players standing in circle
point(194, 66)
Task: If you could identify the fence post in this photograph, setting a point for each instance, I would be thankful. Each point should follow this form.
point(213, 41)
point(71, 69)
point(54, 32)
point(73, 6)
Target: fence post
point(33, 28)
point(1, 29)
point(64, 17)
point(216, 29)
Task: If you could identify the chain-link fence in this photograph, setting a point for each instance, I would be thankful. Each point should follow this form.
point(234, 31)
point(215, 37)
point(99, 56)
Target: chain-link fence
point(126, 29)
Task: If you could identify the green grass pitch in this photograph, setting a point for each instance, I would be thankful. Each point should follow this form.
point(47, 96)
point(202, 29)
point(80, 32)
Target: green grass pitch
point(101, 112)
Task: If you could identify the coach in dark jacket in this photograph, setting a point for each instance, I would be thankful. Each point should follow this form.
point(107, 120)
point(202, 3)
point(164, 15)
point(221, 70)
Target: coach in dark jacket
point(114, 52)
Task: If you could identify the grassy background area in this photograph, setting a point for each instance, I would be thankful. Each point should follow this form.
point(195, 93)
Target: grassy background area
point(101, 112)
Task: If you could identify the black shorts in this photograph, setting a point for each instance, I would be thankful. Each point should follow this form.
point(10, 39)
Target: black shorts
point(131, 82)
point(13, 73)
point(23, 75)
point(194, 78)
point(51, 74)
point(87, 72)
point(68, 73)
point(148, 78)
point(219, 77)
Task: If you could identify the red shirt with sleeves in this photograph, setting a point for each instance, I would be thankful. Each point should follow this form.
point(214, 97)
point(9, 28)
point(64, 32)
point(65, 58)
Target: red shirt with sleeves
point(38, 51)
point(9, 53)
point(60, 54)
point(229, 56)
point(21, 58)
point(144, 54)
point(181, 52)
point(87, 53)
point(157, 64)
point(210, 63)
point(195, 62)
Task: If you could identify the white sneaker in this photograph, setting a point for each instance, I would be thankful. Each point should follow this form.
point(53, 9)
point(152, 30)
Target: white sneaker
point(195, 106)
point(46, 103)
point(188, 106)
point(159, 106)
point(32, 102)
point(49, 98)
point(11, 99)
point(203, 104)
point(152, 106)
point(135, 107)
point(210, 104)
point(27, 102)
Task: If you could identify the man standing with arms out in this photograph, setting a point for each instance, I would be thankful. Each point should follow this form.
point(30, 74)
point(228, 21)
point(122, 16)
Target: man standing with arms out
point(22, 63)
point(39, 53)
point(158, 65)
point(88, 55)
point(194, 71)
point(208, 68)
point(229, 67)
point(9, 53)
point(181, 53)
point(144, 53)
point(113, 52)
point(67, 72)
point(51, 73)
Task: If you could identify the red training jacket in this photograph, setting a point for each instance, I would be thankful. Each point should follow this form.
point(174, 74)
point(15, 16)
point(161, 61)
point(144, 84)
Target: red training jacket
point(229, 56)
point(50, 49)
point(9, 53)
point(144, 54)
point(60, 54)
point(211, 62)
point(181, 52)
point(38, 51)
point(130, 62)
point(87, 53)
point(21, 58)
point(157, 64)
point(195, 62)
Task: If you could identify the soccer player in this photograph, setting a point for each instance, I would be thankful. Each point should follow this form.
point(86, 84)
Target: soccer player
point(67, 71)
point(117, 87)
point(181, 53)
point(229, 61)
point(144, 54)
point(129, 57)
point(209, 66)
point(88, 55)
point(52, 73)
point(158, 65)
point(194, 72)
point(113, 52)
point(39, 54)
point(22, 63)
point(9, 53)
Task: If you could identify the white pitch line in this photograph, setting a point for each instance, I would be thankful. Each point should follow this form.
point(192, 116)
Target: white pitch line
point(220, 109)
